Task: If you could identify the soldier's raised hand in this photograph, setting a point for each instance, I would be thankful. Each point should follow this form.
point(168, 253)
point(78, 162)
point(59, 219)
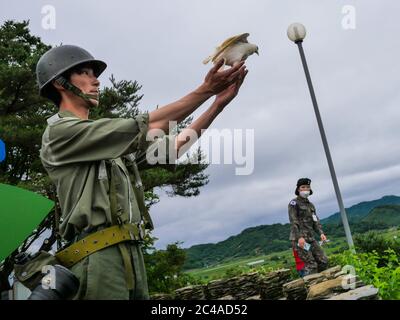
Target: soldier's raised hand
point(217, 81)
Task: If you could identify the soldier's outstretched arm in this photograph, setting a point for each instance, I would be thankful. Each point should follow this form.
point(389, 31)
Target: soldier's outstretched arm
point(214, 83)
point(206, 118)
point(184, 140)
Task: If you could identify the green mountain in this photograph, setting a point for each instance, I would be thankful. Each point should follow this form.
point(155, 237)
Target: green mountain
point(250, 242)
point(388, 214)
point(362, 209)
point(265, 239)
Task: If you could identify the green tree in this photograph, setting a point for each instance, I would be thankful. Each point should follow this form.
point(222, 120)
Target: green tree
point(165, 268)
point(374, 241)
point(22, 110)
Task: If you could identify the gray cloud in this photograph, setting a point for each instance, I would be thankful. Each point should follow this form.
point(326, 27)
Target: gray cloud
point(161, 44)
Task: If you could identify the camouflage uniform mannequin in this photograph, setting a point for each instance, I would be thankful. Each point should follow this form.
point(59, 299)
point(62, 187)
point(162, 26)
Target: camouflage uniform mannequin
point(304, 224)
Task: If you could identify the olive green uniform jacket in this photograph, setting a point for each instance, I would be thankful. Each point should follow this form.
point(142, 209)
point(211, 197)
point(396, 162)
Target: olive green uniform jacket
point(75, 153)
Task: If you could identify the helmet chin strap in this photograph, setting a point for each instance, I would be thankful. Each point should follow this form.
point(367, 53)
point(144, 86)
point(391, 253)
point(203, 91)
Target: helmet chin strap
point(75, 90)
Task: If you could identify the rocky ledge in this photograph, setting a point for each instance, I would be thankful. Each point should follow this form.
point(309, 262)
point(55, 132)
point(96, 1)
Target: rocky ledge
point(331, 284)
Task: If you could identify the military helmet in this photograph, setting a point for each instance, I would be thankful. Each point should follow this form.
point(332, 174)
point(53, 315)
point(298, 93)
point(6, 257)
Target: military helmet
point(58, 60)
point(301, 182)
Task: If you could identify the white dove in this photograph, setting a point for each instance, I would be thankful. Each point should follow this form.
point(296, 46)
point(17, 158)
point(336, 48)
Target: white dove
point(233, 50)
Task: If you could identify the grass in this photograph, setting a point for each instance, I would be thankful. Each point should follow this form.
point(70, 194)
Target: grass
point(219, 271)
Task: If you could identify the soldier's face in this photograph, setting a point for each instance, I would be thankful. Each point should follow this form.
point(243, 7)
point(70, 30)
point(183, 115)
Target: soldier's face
point(85, 79)
point(305, 188)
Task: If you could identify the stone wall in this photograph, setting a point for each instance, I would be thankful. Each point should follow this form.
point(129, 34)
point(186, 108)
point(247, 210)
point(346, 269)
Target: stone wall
point(331, 284)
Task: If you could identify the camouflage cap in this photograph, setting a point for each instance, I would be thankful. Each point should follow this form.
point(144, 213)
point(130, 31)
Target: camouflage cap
point(303, 181)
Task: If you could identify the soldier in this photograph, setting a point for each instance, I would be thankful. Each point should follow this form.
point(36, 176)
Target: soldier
point(94, 165)
point(304, 223)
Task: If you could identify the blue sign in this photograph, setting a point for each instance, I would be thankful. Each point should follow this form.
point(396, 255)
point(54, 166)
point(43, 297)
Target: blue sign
point(2, 150)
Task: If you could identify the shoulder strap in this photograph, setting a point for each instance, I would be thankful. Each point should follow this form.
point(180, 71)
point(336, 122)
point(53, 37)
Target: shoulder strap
point(139, 190)
point(115, 214)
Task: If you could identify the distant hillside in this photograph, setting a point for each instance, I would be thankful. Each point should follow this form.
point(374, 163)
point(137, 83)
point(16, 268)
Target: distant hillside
point(266, 239)
point(251, 241)
point(389, 214)
point(362, 209)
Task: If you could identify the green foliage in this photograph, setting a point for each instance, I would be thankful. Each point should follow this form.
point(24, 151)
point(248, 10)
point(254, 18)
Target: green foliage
point(164, 269)
point(376, 262)
point(252, 241)
point(235, 271)
point(387, 214)
point(361, 210)
point(380, 270)
point(374, 241)
point(265, 269)
point(22, 110)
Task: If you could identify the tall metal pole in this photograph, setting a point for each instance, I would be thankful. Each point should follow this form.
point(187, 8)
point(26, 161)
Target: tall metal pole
point(326, 148)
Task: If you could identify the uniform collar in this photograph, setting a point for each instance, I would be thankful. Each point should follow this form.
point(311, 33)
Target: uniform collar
point(302, 199)
point(67, 113)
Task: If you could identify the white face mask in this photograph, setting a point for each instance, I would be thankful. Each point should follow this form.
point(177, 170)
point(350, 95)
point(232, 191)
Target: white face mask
point(304, 194)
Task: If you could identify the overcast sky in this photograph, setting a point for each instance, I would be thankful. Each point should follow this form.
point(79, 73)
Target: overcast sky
point(161, 44)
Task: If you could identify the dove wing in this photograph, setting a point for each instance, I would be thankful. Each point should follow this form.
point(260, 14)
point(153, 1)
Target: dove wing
point(228, 42)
